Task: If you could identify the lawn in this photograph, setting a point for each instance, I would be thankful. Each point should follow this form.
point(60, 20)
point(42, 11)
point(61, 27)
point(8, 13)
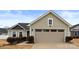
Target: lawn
point(5, 45)
point(75, 41)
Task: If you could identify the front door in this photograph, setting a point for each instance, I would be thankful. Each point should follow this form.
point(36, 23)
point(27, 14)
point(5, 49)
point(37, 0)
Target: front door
point(27, 33)
point(20, 34)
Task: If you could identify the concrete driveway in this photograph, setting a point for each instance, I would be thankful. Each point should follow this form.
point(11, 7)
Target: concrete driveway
point(54, 46)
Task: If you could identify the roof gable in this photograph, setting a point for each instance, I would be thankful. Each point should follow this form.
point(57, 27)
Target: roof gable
point(23, 26)
point(75, 26)
point(52, 12)
point(17, 27)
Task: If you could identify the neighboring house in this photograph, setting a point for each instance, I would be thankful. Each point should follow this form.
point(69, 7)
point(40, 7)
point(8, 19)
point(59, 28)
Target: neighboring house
point(75, 30)
point(3, 33)
point(49, 27)
point(19, 30)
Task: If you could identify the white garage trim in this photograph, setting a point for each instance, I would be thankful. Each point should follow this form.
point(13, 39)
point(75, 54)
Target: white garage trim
point(64, 35)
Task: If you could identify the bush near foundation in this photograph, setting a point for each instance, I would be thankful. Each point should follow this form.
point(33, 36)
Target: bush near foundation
point(68, 39)
point(75, 37)
point(30, 39)
point(15, 40)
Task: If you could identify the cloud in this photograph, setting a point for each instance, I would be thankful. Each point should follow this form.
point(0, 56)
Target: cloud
point(19, 14)
point(10, 18)
point(72, 16)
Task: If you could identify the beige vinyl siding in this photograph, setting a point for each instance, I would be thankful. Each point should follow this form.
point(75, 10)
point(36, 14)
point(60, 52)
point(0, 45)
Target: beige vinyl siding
point(57, 24)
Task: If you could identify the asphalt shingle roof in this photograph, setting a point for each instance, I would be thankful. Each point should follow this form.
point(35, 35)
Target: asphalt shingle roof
point(24, 25)
point(74, 26)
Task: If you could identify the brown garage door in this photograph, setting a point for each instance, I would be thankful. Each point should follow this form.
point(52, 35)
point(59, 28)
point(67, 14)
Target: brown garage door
point(49, 36)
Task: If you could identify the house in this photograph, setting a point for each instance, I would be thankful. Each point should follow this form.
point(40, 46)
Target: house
point(75, 30)
point(49, 28)
point(19, 30)
point(3, 33)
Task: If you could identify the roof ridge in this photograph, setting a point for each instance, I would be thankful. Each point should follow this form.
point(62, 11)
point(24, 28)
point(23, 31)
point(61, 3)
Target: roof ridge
point(51, 11)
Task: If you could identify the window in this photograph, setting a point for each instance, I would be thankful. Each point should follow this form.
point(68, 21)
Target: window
point(76, 33)
point(20, 34)
point(32, 30)
point(14, 34)
point(38, 30)
point(46, 30)
point(53, 30)
point(50, 21)
point(60, 30)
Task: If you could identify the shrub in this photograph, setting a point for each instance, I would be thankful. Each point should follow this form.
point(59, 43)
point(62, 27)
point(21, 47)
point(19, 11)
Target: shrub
point(15, 40)
point(21, 39)
point(30, 39)
point(75, 36)
point(11, 40)
point(68, 39)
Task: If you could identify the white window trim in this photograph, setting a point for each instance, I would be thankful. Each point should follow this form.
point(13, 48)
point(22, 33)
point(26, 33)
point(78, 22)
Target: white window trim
point(52, 21)
point(19, 33)
point(13, 33)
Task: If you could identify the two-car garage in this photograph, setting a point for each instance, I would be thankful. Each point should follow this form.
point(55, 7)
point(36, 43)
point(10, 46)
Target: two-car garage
point(49, 35)
point(49, 28)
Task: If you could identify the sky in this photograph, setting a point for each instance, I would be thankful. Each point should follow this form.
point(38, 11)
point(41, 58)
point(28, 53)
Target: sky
point(9, 18)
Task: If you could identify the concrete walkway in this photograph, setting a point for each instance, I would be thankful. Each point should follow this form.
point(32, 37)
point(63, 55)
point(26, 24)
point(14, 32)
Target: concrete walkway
point(54, 46)
point(24, 43)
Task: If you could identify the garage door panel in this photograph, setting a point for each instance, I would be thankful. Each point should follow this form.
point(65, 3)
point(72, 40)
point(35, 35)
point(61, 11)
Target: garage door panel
point(49, 37)
point(60, 36)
